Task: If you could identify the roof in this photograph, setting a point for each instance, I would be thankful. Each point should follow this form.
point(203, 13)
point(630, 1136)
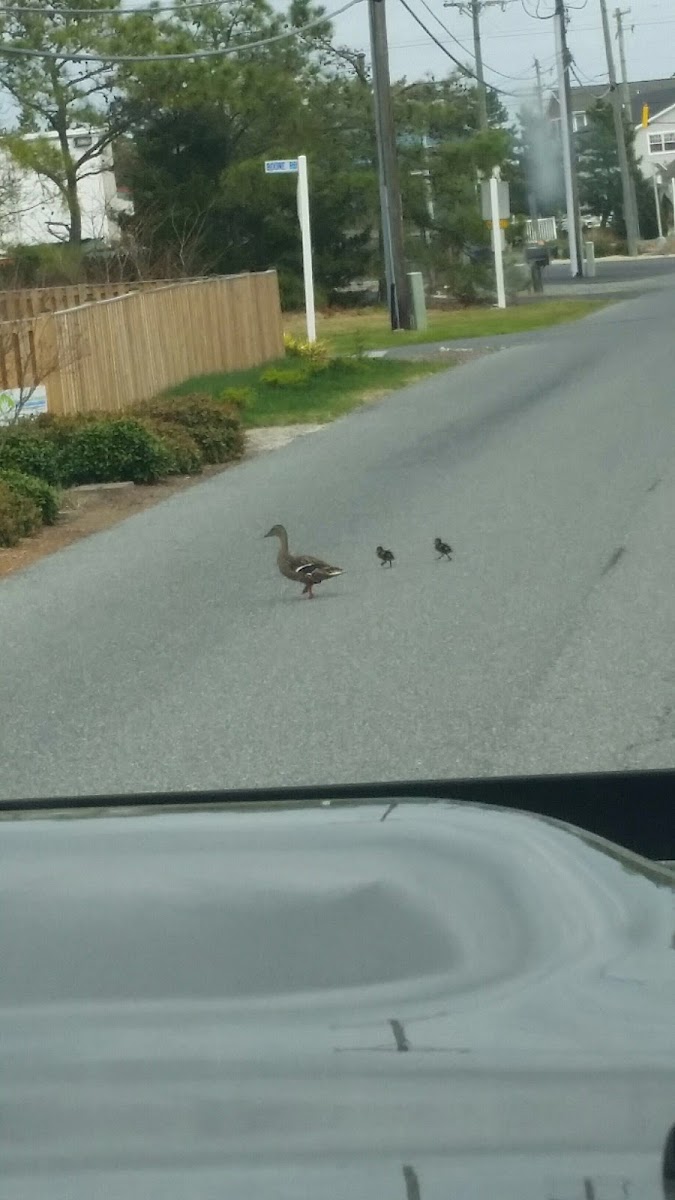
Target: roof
point(658, 94)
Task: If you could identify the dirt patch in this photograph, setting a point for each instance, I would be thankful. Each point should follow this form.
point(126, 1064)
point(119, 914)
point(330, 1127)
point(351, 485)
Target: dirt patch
point(92, 509)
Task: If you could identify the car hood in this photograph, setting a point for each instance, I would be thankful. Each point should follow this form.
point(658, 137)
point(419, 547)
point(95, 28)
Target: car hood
point(414, 1000)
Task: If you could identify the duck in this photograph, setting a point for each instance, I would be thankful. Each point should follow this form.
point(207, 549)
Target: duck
point(442, 549)
point(302, 568)
point(386, 557)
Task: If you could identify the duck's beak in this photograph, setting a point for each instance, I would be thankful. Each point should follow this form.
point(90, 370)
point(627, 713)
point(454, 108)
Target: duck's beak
point(268, 534)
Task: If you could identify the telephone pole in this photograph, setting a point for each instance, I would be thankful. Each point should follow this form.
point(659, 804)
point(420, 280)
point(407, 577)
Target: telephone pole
point(390, 188)
point(540, 89)
point(475, 8)
point(629, 210)
point(568, 152)
point(619, 15)
point(480, 74)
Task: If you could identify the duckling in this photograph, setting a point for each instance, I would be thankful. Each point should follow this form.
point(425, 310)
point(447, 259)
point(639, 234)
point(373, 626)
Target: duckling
point(302, 568)
point(386, 557)
point(443, 549)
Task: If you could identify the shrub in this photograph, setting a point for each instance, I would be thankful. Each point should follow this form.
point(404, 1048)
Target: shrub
point(19, 516)
point(43, 494)
point(345, 365)
point(216, 430)
point(186, 456)
point(316, 353)
point(112, 449)
point(469, 283)
point(237, 398)
point(23, 447)
point(283, 377)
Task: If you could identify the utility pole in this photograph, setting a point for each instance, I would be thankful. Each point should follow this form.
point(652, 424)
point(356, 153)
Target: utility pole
point(568, 151)
point(475, 8)
point(540, 89)
point(629, 212)
point(619, 14)
point(390, 188)
point(480, 74)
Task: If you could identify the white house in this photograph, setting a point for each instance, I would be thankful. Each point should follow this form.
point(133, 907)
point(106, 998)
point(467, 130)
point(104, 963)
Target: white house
point(655, 151)
point(34, 211)
point(653, 99)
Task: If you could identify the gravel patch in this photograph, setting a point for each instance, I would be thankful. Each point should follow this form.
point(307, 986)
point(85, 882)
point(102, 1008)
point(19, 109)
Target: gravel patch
point(259, 441)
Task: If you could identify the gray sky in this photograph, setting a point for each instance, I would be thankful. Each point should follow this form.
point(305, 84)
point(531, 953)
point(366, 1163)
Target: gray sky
point(512, 38)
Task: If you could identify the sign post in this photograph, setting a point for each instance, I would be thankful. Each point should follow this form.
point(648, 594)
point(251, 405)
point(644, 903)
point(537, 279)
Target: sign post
point(298, 166)
point(496, 207)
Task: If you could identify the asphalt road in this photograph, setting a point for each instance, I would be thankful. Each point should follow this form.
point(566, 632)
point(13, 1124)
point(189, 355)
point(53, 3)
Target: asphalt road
point(168, 653)
point(613, 276)
point(449, 1002)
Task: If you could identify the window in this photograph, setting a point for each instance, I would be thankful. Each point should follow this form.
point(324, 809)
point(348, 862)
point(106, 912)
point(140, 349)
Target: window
point(579, 121)
point(662, 143)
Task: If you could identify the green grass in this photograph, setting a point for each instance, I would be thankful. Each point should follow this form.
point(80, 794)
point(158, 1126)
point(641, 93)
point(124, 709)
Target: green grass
point(327, 394)
point(349, 331)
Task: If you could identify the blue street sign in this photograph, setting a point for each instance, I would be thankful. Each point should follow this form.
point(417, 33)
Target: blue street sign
point(281, 166)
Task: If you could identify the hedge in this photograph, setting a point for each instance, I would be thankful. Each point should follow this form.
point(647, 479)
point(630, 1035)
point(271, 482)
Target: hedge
point(42, 494)
point(112, 449)
point(215, 427)
point(186, 455)
point(19, 516)
point(25, 447)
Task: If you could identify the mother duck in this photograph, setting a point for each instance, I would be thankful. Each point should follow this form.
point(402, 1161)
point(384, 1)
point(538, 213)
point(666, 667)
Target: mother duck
point(303, 568)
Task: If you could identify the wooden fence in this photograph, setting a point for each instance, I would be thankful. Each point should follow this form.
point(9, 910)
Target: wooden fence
point(22, 303)
point(105, 355)
point(18, 304)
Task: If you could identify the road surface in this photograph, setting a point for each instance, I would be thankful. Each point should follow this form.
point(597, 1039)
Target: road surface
point(613, 276)
point(168, 653)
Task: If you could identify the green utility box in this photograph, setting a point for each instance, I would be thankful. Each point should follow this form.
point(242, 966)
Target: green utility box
point(418, 299)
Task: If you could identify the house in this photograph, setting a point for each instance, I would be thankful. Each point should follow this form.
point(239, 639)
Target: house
point(33, 211)
point(653, 99)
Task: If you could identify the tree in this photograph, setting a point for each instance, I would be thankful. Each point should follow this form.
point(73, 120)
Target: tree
point(600, 178)
point(29, 353)
point(54, 95)
point(204, 128)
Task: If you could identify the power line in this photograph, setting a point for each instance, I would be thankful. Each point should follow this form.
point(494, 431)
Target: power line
point(465, 70)
point(46, 11)
point(516, 78)
point(64, 56)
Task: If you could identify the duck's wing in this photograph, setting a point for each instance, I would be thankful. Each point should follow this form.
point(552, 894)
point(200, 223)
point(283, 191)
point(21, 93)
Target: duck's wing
point(305, 566)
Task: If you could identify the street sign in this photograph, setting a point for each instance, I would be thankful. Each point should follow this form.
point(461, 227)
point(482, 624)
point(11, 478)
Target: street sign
point(298, 166)
point(486, 200)
point(281, 166)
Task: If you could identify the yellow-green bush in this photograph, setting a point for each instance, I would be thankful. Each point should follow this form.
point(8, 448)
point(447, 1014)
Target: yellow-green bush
point(316, 353)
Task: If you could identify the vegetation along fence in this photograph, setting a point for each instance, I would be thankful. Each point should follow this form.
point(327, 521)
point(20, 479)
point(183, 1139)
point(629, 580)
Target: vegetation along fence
point(105, 355)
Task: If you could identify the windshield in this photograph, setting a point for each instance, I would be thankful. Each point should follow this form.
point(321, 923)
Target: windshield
point(337, 481)
point(336, 438)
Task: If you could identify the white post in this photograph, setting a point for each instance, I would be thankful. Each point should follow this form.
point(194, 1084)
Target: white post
point(566, 148)
point(497, 240)
point(305, 229)
point(657, 202)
